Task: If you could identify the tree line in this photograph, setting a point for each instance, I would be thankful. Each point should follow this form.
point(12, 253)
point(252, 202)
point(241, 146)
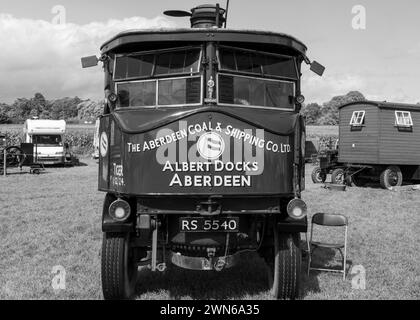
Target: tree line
point(70, 109)
point(77, 110)
point(327, 113)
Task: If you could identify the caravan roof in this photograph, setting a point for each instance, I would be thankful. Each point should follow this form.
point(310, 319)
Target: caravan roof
point(384, 105)
point(44, 126)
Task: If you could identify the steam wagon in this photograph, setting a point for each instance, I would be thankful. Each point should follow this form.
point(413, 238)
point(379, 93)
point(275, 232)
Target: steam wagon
point(201, 151)
point(379, 141)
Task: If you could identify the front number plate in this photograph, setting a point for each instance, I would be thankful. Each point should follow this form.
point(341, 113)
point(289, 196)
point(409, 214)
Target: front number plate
point(209, 225)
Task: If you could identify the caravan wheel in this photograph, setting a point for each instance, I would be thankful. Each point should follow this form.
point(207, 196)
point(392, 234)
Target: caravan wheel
point(337, 176)
point(391, 177)
point(318, 175)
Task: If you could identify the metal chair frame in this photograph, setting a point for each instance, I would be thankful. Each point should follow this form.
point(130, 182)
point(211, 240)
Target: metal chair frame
point(331, 220)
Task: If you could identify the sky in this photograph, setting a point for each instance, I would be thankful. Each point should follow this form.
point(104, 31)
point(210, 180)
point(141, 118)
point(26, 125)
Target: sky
point(39, 54)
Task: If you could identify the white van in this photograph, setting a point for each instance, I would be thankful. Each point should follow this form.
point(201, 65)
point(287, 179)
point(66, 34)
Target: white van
point(48, 139)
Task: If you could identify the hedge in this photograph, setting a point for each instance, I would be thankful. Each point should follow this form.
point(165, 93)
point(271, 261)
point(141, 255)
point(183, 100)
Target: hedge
point(80, 141)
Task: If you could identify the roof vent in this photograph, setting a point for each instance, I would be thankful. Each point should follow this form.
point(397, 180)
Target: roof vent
point(204, 16)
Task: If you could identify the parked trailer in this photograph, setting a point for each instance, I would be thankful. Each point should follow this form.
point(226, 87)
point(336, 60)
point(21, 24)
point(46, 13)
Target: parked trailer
point(325, 160)
point(379, 141)
point(201, 151)
point(10, 156)
point(14, 157)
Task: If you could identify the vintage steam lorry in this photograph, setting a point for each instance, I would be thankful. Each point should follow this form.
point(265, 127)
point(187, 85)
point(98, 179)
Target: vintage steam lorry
point(201, 151)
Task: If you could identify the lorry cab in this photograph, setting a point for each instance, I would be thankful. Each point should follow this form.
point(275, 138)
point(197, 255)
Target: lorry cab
point(47, 136)
point(201, 151)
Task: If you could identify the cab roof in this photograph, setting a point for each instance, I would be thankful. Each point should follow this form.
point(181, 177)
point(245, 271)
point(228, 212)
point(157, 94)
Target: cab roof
point(204, 34)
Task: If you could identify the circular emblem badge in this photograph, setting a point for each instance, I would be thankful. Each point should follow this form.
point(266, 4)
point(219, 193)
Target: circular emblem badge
point(103, 144)
point(211, 146)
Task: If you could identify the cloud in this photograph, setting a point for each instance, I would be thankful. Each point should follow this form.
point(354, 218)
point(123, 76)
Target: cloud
point(38, 56)
point(380, 86)
point(322, 89)
point(414, 50)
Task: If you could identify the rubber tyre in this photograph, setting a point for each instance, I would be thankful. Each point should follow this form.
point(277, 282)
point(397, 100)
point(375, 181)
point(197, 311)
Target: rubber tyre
point(284, 270)
point(338, 176)
point(391, 177)
point(318, 176)
point(119, 269)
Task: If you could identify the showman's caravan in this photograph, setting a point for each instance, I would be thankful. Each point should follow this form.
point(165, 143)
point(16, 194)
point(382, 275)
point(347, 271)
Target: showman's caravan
point(47, 137)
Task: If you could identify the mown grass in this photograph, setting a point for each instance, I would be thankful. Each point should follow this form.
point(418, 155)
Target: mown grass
point(55, 219)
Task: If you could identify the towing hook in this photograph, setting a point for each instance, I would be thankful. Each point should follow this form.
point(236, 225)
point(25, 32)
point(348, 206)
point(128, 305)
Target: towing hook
point(220, 264)
point(161, 267)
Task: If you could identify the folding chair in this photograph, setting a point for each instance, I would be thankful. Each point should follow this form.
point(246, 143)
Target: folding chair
point(330, 220)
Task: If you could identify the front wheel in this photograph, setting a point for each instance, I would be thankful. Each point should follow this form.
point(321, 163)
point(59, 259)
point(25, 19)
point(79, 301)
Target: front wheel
point(119, 268)
point(284, 268)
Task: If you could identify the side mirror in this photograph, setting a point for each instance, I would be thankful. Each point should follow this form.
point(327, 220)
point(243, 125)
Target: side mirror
point(317, 68)
point(88, 62)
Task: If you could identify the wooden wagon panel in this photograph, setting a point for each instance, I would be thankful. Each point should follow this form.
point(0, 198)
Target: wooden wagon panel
point(400, 146)
point(359, 144)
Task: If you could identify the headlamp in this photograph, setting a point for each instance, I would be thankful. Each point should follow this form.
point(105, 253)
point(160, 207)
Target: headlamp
point(297, 209)
point(119, 210)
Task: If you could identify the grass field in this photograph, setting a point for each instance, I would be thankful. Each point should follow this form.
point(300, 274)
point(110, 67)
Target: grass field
point(55, 219)
point(317, 131)
point(80, 136)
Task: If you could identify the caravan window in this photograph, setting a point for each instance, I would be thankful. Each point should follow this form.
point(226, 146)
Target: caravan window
point(403, 119)
point(358, 118)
